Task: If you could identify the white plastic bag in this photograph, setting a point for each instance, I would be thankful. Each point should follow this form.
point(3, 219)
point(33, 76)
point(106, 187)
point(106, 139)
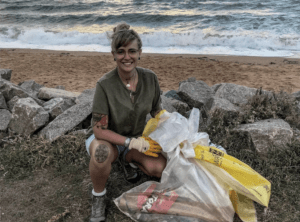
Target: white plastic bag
point(187, 191)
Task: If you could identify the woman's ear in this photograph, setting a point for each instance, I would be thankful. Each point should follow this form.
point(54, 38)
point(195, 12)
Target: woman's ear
point(113, 55)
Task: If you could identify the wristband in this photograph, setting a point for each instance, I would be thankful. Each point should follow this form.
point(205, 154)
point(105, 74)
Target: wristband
point(127, 142)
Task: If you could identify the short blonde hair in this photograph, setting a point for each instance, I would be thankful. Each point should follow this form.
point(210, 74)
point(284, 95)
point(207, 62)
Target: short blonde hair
point(122, 36)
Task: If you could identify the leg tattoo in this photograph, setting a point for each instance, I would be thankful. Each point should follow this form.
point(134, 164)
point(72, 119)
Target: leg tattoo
point(101, 153)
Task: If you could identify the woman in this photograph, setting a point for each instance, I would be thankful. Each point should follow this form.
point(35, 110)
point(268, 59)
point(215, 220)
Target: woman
point(123, 98)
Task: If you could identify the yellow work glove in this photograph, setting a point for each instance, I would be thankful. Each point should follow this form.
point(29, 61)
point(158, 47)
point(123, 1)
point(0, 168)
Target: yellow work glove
point(145, 145)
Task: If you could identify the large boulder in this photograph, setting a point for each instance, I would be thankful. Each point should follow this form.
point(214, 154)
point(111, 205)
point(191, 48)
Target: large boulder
point(31, 87)
point(5, 74)
point(11, 103)
point(50, 93)
point(181, 107)
point(66, 121)
point(5, 117)
point(57, 106)
point(296, 133)
point(221, 104)
point(172, 94)
point(191, 79)
point(236, 94)
point(27, 117)
point(266, 133)
point(2, 102)
point(60, 87)
point(86, 96)
point(216, 87)
point(167, 104)
point(298, 107)
point(10, 90)
point(195, 94)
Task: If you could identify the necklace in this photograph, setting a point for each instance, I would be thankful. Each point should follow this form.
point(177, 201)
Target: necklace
point(128, 85)
point(128, 81)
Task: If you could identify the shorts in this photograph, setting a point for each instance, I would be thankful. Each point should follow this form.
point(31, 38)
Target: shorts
point(121, 149)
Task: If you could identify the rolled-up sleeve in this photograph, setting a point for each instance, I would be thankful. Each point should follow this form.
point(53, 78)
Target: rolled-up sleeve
point(100, 102)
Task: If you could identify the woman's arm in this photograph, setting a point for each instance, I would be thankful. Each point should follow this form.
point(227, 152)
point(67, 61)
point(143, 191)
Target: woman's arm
point(100, 124)
point(154, 113)
point(157, 103)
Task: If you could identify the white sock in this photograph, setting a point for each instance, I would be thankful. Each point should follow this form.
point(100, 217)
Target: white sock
point(99, 194)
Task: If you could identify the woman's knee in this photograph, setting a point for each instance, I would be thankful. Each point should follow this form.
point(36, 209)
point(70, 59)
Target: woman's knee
point(160, 168)
point(156, 168)
point(102, 152)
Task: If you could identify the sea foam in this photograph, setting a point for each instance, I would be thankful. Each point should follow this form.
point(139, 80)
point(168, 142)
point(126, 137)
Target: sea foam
point(207, 41)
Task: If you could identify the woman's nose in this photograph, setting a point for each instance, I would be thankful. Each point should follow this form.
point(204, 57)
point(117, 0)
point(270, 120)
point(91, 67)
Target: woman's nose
point(127, 56)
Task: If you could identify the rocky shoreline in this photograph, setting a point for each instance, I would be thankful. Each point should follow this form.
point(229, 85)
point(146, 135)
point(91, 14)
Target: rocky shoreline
point(30, 108)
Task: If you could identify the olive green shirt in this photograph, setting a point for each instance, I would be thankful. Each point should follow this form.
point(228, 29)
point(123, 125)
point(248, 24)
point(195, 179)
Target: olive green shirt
point(112, 98)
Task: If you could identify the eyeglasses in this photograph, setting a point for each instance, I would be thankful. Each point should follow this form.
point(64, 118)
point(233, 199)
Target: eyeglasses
point(131, 52)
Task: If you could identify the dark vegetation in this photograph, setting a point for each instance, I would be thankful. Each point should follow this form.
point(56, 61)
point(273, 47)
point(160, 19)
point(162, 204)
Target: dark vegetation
point(39, 180)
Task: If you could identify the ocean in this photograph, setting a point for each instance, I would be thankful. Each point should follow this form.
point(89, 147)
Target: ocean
point(230, 27)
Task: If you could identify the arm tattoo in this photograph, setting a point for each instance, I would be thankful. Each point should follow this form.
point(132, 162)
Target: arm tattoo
point(100, 120)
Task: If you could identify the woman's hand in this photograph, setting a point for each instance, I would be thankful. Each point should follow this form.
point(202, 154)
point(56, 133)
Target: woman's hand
point(145, 145)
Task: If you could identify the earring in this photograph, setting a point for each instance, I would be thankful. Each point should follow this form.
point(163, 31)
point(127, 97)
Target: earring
point(115, 59)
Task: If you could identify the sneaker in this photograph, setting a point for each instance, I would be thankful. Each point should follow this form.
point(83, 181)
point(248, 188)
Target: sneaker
point(98, 208)
point(130, 170)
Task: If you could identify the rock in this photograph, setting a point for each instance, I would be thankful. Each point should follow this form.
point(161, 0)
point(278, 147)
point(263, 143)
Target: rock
point(290, 62)
point(236, 94)
point(181, 107)
point(9, 90)
point(66, 121)
point(216, 87)
point(191, 79)
point(85, 124)
point(167, 104)
point(31, 87)
point(86, 96)
point(221, 104)
point(172, 94)
point(266, 133)
point(57, 106)
point(195, 94)
point(298, 107)
point(188, 113)
point(5, 117)
point(11, 103)
point(79, 132)
point(50, 93)
point(2, 102)
point(5, 74)
point(27, 117)
point(296, 95)
point(296, 133)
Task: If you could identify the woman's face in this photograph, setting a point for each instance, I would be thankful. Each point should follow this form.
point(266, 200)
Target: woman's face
point(127, 57)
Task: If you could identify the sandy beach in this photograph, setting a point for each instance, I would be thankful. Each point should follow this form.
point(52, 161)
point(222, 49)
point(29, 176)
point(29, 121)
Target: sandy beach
point(77, 71)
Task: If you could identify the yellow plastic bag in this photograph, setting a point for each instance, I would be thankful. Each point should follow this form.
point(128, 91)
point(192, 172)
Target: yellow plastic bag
point(154, 122)
point(244, 183)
